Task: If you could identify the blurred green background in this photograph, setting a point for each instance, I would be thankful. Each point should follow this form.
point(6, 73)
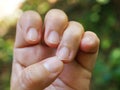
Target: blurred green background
point(99, 16)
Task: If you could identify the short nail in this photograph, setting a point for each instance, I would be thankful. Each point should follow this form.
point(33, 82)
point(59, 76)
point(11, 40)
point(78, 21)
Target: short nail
point(53, 37)
point(53, 65)
point(32, 34)
point(63, 53)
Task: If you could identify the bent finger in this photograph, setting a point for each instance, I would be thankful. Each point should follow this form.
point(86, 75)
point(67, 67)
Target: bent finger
point(40, 75)
point(29, 29)
point(89, 47)
point(55, 23)
point(70, 41)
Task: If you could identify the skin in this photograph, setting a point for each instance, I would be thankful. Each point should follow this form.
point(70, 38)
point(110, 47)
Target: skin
point(56, 54)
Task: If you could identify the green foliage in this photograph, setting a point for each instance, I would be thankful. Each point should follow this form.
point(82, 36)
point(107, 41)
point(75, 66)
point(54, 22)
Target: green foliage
point(99, 16)
point(6, 49)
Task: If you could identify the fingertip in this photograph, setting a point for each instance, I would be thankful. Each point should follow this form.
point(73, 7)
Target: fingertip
point(53, 65)
point(40, 75)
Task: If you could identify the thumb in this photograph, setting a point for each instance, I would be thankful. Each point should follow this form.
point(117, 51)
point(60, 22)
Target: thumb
point(39, 75)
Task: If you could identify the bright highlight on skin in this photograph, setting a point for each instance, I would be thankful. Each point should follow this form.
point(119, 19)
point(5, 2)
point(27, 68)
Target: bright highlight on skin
point(8, 7)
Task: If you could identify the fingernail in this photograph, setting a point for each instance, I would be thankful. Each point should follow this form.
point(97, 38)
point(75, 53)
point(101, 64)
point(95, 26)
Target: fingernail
point(63, 53)
point(53, 37)
point(53, 65)
point(32, 34)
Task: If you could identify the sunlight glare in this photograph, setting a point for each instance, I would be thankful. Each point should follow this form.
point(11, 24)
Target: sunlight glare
point(8, 7)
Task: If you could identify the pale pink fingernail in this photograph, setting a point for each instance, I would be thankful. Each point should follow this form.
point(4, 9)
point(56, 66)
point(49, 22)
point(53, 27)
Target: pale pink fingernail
point(63, 53)
point(53, 37)
point(53, 65)
point(32, 34)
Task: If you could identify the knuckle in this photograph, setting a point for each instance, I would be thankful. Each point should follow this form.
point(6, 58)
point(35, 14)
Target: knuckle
point(31, 18)
point(28, 14)
point(54, 13)
point(76, 29)
point(96, 38)
point(79, 27)
point(93, 42)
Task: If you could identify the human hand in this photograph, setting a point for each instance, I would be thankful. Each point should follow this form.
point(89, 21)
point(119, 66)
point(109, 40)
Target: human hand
point(58, 55)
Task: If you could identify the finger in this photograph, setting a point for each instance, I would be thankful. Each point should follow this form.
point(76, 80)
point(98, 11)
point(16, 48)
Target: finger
point(70, 42)
point(29, 29)
point(89, 47)
point(31, 55)
point(55, 24)
point(76, 76)
point(40, 75)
